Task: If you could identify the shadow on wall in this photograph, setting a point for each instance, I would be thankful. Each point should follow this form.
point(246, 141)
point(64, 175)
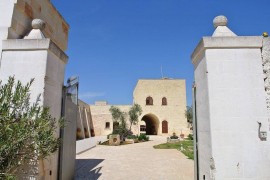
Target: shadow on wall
point(86, 169)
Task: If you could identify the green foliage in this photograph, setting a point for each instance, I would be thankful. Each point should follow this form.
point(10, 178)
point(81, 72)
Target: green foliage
point(120, 118)
point(27, 130)
point(189, 114)
point(117, 114)
point(132, 137)
point(190, 137)
point(174, 137)
point(186, 147)
point(143, 137)
point(134, 114)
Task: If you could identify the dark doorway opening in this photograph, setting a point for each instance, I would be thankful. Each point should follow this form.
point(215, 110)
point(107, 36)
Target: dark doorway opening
point(151, 123)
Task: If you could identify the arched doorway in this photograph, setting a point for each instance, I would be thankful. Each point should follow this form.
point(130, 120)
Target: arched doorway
point(151, 124)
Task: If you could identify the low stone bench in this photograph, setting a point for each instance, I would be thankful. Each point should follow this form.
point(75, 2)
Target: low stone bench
point(129, 141)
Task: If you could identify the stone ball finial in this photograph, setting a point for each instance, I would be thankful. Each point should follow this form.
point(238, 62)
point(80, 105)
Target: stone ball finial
point(38, 24)
point(220, 21)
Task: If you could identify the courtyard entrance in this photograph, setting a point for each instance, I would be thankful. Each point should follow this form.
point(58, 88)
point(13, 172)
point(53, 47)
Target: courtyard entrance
point(135, 162)
point(151, 124)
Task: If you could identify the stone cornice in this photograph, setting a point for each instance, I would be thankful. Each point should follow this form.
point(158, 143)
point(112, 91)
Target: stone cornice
point(34, 45)
point(237, 42)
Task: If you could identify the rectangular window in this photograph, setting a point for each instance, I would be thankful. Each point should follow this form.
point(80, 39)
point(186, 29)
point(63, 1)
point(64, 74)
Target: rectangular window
point(107, 126)
point(142, 128)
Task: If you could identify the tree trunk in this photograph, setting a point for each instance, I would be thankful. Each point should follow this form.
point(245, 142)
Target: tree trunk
point(130, 126)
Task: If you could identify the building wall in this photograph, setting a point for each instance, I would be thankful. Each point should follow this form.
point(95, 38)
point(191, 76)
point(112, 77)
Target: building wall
point(6, 9)
point(43, 59)
point(68, 146)
point(101, 114)
point(84, 120)
point(230, 101)
point(25, 60)
point(237, 102)
point(202, 118)
point(174, 112)
point(88, 139)
point(18, 15)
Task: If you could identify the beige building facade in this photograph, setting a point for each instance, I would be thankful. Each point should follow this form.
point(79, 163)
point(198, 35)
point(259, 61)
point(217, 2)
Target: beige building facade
point(163, 103)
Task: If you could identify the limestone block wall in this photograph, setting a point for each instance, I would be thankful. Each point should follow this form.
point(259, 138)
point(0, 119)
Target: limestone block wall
point(89, 135)
point(101, 115)
point(84, 121)
point(17, 15)
point(174, 112)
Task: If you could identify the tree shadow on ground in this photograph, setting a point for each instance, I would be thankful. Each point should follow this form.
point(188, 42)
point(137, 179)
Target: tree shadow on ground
point(85, 169)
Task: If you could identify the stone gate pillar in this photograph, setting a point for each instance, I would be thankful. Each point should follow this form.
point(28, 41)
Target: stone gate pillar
point(37, 57)
point(230, 104)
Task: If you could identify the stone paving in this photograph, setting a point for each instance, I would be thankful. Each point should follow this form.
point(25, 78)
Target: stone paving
point(134, 162)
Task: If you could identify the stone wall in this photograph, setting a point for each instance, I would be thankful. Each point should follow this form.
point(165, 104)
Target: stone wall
point(16, 18)
point(266, 69)
point(174, 112)
point(101, 115)
point(84, 121)
point(231, 108)
point(41, 58)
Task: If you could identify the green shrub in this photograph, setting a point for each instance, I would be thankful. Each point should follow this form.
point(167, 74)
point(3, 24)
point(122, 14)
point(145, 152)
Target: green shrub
point(174, 137)
point(190, 137)
point(143, 137)
point(27, 131)
point(132, 137)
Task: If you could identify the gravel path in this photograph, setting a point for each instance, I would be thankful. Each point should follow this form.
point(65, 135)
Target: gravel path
point(138, 161)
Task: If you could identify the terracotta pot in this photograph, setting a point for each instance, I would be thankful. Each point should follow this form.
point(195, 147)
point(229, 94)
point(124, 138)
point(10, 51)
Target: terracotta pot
point(182, 136)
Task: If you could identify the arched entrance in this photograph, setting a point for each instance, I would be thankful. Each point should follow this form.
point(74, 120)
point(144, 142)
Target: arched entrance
point(151, 124)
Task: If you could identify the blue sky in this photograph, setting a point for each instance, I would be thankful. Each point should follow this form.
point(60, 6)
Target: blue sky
point(113, 43)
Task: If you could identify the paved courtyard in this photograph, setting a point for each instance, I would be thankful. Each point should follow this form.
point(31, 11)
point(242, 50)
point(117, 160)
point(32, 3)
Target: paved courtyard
point(134, 162)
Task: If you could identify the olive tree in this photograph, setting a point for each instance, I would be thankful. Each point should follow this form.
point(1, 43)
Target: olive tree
point(27, 129)
point(189, 114)
point(120, 118)
point(134, 113)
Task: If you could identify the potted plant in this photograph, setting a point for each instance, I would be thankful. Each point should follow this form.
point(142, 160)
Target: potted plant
point(182, 135)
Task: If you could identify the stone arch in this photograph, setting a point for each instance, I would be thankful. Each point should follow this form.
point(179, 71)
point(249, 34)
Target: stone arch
point(152, 124)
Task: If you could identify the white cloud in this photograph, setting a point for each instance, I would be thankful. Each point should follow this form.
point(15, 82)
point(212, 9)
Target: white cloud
point(90, 95)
